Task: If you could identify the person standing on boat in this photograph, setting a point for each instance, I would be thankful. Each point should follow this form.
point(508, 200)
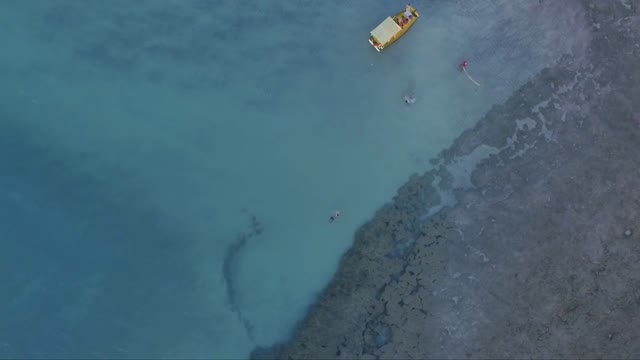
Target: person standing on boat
point(407, 11)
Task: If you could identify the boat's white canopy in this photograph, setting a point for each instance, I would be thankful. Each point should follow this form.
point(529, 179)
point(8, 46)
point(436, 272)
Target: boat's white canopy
point(386, 30)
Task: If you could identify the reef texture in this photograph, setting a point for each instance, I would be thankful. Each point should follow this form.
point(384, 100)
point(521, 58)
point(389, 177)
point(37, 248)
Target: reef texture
point(539, 256)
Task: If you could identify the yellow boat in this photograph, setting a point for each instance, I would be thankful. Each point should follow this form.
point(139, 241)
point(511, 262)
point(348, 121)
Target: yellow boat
point(392, 28)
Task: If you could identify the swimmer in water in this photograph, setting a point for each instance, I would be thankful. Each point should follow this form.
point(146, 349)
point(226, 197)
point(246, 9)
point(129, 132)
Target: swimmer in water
point(409, 99)
point(335, 216)
point(463, 68)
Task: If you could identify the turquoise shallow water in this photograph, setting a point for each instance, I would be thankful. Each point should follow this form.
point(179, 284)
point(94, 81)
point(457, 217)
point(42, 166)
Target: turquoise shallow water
point(141, 139)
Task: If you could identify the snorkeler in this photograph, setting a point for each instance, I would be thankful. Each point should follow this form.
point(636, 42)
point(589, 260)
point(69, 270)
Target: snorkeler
point(335, 216)
point(409, 99)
